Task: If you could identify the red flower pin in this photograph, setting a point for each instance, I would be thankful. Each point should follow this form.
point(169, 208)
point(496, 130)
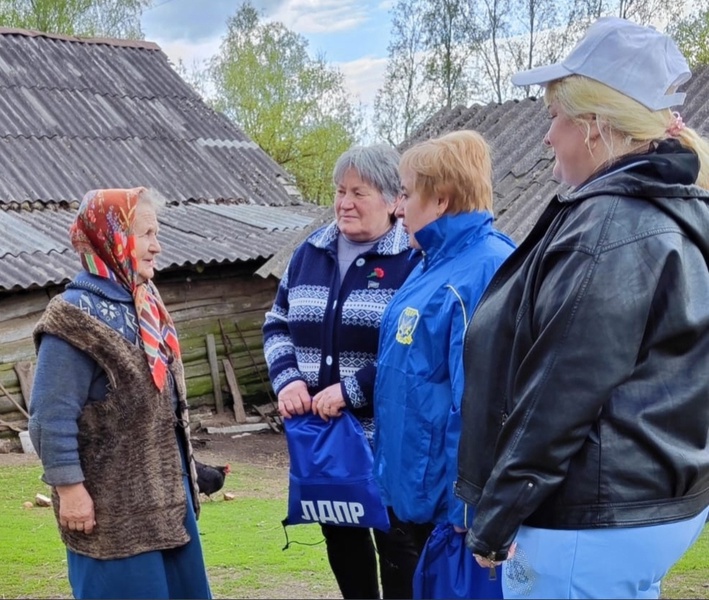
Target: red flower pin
point(378, 272)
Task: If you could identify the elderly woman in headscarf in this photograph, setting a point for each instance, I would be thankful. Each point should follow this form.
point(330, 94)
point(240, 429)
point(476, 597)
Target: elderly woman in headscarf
point(108, 414)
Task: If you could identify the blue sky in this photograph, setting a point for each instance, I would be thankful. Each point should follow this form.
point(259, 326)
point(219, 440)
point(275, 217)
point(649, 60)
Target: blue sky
point(352, 34)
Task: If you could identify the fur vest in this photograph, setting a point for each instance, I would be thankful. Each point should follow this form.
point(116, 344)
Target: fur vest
point(127, 444)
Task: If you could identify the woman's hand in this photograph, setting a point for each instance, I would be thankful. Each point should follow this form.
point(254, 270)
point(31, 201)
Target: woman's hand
point(294, 399)
point(76, 508)
point(486, 563)
point(329, 402)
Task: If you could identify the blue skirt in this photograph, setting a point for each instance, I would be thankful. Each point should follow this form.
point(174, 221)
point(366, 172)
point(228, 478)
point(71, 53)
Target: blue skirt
point(175, 573)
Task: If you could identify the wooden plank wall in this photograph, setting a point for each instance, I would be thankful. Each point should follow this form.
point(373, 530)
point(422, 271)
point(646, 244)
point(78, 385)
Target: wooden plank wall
point(197, 303)
point(198, 307)
point(18, 314)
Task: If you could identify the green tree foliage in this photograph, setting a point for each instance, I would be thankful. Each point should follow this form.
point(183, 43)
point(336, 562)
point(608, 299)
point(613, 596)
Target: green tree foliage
point(84, 18)
point(692, 37)
point(448, 52)
point(294, 106)
point(451, 35)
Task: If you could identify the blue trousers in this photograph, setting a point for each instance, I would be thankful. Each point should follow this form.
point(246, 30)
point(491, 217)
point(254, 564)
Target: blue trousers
point(621, 562)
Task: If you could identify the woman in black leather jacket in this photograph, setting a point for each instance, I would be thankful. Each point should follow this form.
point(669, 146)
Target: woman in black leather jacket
point(586, 408)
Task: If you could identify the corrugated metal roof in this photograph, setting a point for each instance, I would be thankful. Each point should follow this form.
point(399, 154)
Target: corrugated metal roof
point(522, 164)
point(16, 233)
point(262, 217)
point(27, 271)
point(50, 170)
point(78, 115)
point(35, 249)
point(40, 112)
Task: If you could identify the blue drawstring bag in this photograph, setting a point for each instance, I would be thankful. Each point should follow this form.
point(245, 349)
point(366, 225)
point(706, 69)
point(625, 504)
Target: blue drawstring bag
point(447, 569)
point(331, 477)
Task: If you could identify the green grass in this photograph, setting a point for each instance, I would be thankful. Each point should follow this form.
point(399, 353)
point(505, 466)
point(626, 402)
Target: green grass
point(32, 559)
point(242, 540)
point(690, 576)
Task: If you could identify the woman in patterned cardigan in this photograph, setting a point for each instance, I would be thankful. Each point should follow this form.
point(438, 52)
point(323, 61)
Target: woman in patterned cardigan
point(321, 338)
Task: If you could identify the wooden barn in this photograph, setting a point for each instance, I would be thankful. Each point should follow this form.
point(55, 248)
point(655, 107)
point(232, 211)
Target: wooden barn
point(78, 114)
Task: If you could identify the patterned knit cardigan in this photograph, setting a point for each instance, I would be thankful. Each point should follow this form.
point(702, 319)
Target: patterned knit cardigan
point(324, 332)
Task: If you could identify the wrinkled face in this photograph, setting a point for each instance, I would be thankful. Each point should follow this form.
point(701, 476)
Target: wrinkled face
point(416, 211)
point(574, 160)
point(145, 229)
point(362, 212)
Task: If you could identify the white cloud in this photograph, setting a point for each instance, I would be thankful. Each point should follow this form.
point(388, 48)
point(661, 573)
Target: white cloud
point(187, 19)
point(321, 16)
point(188, 51)
point(386, 5)
point(363, 77)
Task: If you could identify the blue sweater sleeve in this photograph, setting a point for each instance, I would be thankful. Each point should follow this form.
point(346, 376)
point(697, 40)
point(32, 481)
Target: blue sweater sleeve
point(278, 346)
point(65, 379)
point(358, 388)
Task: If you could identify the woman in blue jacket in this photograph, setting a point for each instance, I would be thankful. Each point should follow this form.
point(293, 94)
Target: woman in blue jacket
point(447, 211)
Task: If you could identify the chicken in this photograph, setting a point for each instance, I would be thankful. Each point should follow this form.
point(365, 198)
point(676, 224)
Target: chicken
point(210, 479)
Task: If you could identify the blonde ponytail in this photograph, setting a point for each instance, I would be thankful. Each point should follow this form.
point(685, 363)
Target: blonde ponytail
point(689, 138)
point(636, 124)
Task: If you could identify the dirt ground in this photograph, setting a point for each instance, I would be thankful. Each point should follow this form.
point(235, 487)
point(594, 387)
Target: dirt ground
point(260, 449)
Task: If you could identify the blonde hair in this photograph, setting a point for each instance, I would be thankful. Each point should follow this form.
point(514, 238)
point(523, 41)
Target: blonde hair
point(635, 124)
point(456, 165)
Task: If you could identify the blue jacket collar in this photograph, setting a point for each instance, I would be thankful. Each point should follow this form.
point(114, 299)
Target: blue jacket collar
point(449, 233)
point(111, 290)
point(394, 242)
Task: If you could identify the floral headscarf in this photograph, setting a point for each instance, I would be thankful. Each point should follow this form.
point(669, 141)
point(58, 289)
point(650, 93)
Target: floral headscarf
point(100, 236)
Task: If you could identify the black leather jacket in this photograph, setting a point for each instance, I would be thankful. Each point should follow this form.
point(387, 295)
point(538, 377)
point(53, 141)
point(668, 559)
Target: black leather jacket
point(586, 398)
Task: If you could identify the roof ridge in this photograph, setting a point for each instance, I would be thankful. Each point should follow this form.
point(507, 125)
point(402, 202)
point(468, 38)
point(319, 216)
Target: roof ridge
point(200, 140)
point(41, 87)
point(136, 44)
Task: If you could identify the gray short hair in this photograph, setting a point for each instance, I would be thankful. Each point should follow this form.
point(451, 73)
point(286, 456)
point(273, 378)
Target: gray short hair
point(377, 164)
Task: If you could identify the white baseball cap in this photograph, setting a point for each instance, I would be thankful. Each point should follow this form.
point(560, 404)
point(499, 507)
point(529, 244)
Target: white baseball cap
point(637, 61)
